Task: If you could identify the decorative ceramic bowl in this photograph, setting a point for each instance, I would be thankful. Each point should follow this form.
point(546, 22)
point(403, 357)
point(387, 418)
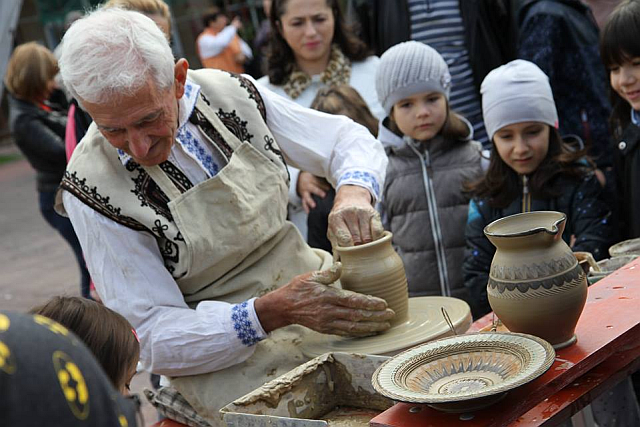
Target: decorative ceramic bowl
point(464, 373)
point(626, 247)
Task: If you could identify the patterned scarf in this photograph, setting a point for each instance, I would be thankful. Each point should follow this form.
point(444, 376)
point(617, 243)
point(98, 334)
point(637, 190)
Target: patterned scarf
point(338, 71)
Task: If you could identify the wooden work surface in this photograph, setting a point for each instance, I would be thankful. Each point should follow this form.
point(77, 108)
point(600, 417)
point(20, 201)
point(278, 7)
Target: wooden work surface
point(606, 352)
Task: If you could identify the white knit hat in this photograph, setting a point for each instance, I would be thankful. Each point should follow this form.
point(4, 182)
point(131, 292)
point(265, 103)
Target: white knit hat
point(514, 93)
point(409, 68)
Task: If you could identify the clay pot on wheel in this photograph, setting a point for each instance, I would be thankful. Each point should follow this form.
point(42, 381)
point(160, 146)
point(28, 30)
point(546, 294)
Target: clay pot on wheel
point(535, 283)
point(376, 269)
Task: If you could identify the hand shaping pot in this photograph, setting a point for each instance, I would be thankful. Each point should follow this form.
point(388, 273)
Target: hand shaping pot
point(535, 283)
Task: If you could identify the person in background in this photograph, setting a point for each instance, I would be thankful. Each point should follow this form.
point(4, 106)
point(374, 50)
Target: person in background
point(620, 51)
point(38, 129)
point(108, 335)
point(157, 10)
point(561, 37)
point(261, 41)
point(531, 169)
point(473, 37)
point(346, 101)
point(219, 45)
point(311, 46)
point(48, 377)
point(423, 204)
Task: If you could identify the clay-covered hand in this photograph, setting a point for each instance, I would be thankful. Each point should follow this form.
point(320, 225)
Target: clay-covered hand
point(308, 300)
point(308, 185)
point(353, 221)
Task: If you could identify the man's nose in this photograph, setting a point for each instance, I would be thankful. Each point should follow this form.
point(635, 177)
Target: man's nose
point(138, 142)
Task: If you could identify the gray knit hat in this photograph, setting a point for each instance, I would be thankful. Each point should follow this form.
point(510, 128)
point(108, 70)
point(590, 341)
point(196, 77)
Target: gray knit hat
point(409, 68)
point(514, 93)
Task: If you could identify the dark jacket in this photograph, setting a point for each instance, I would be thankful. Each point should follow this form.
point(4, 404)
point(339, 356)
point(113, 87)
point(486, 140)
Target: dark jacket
point(318, 221)
point(561, 37)
point(490, 29)
point(423, 205)
point(627, 168)
point(587, 219)
point(40, 136)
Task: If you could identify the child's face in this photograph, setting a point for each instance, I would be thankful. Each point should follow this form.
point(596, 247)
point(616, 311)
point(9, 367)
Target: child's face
point(420, 116)
point(625, 80)
point(523, 146)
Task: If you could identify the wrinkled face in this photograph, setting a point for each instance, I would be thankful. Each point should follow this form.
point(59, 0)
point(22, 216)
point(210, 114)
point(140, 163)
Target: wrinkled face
point(421, 116)
point(523, 146)
point(307, 27)
point(143, 125)
point(625, 80)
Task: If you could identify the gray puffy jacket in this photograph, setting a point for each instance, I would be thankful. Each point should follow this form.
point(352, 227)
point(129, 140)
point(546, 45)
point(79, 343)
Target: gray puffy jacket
point(423, 205)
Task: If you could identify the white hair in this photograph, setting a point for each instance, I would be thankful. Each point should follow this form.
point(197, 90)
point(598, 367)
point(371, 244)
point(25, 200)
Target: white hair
point(112, 53)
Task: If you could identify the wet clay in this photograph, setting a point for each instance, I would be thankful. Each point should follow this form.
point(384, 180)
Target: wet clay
point(345, 416)
point(272, 391)
point(376, 269)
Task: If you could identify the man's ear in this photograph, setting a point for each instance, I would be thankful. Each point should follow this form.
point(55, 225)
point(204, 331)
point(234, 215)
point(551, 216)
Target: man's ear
point(180, 76)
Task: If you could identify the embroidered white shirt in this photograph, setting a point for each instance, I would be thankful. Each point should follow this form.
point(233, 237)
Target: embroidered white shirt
point(127, 267)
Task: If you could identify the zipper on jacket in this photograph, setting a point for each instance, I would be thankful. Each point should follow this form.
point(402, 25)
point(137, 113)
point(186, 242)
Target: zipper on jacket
point(526, 196)
point(436, 231)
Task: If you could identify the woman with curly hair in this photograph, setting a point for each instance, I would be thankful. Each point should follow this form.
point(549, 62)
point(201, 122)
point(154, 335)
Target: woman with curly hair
point(310, 47)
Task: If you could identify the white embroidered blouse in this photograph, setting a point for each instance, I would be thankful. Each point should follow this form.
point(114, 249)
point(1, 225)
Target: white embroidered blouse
point(127, 267)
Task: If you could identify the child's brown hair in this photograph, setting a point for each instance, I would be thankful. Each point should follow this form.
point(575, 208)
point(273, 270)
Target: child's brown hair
point(109, 336)
point(346, 101)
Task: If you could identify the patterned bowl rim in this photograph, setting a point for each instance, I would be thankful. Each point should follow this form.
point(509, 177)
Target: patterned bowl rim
point(384, 378)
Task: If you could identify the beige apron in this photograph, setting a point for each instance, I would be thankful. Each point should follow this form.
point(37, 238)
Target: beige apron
point(239, 241)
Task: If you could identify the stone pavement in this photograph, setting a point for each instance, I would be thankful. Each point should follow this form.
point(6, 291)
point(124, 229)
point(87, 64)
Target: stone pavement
point(35, 262)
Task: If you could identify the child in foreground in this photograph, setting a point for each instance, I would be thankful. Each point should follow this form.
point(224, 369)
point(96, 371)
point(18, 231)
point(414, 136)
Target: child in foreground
point(108, 335)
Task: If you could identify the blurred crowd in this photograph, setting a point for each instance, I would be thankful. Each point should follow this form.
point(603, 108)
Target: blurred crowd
point(484, 108)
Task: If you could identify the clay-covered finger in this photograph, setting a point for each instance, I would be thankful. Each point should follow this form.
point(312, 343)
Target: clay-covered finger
point(328, 276)
point(347, 328)
point(359, 301)
point(377, 230)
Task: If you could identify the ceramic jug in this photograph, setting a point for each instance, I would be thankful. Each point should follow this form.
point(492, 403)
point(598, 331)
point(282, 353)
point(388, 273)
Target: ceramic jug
point(376, 269)
point(535, 283)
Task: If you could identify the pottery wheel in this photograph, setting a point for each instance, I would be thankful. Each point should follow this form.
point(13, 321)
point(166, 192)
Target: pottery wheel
point(425, 323)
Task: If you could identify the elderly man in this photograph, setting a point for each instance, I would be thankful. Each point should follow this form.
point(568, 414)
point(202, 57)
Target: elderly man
point(178, 194)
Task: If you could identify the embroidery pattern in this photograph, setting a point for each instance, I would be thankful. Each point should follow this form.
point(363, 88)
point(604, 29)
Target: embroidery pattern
point(269, 145)
point(198, 119)
point(235, 124)
point(169, 250)
point(243, 326)
point(363, 177)
point(90, 196)
point(191, 144)
point(253, 93)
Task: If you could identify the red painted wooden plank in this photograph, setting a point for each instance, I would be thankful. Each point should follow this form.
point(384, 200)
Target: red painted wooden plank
point(168, 423)
point(583, 390)
point(609, 323)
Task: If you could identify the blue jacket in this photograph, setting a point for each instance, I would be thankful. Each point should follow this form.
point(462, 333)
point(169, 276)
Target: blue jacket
point(561, 37)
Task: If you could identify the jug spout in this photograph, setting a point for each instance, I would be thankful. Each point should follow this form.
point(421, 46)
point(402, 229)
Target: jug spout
point(530, 228)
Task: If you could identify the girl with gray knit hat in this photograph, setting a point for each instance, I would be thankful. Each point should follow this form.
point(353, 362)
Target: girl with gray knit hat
point(531, 169)
point(431, 154)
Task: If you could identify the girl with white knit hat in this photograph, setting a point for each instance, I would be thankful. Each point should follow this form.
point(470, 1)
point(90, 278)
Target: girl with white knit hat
point(431, 154)
point(531, 169)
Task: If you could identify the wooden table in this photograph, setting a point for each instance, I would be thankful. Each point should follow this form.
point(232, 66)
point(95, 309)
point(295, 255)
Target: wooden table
point(607, 351)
